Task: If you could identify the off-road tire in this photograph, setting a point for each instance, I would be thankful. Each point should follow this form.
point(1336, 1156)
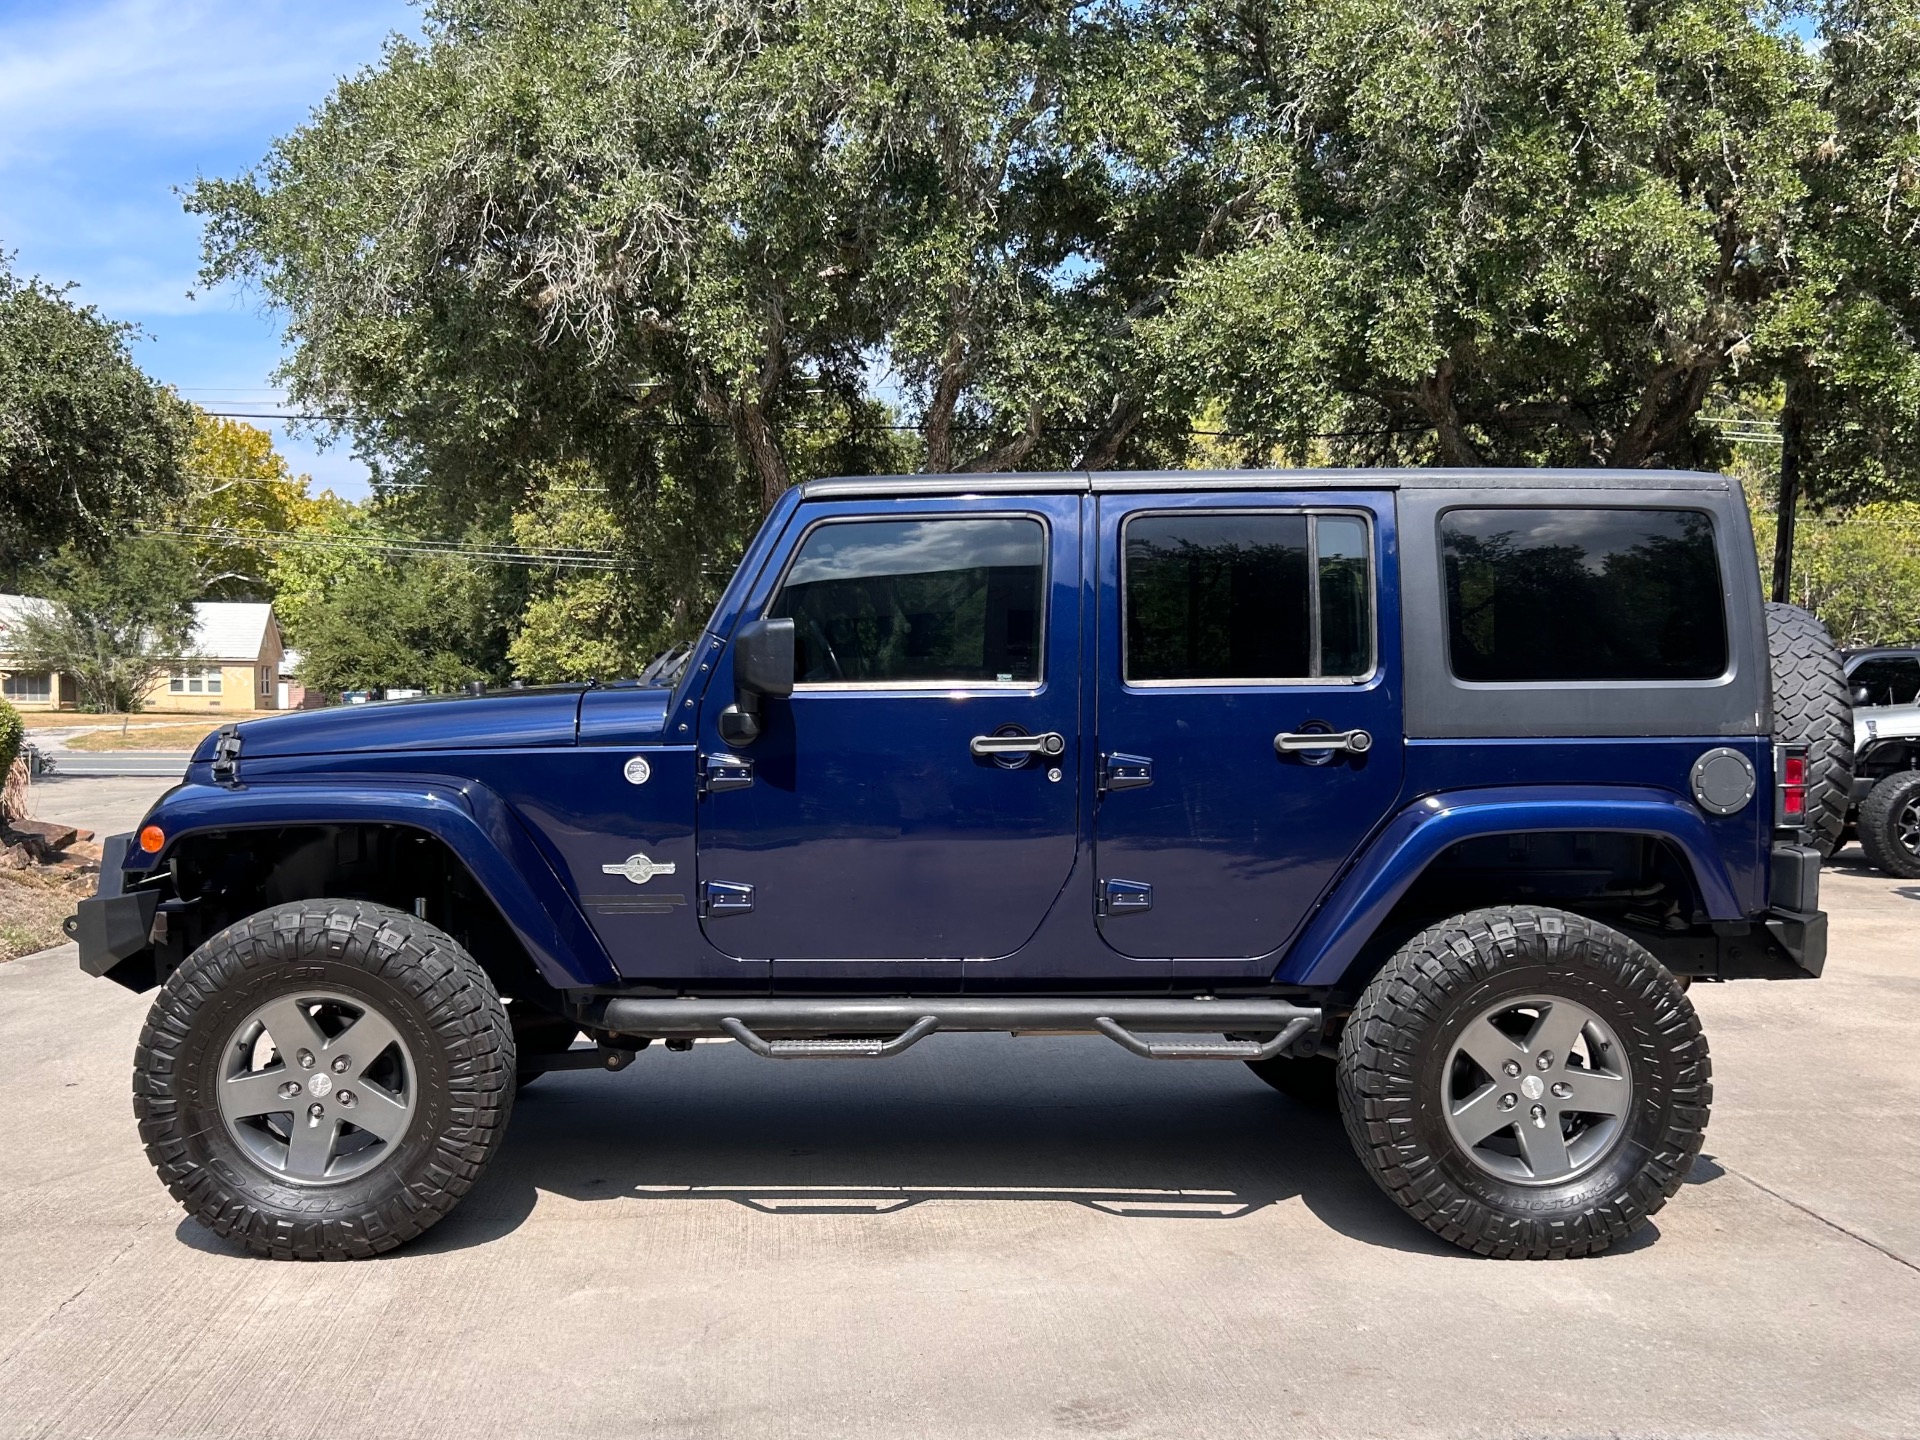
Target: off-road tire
point(1395, 1048)
point(1813, 707)
point(434, 994)
point(1310, 1080)
point(1882, 815)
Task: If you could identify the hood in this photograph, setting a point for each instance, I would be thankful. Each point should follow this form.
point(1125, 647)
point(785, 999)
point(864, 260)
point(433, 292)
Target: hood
point(506, 718)
point(1885, 722)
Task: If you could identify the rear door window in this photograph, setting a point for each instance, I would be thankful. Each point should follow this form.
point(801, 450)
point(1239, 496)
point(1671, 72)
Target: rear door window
point(1582, 595)
point(1246, 597)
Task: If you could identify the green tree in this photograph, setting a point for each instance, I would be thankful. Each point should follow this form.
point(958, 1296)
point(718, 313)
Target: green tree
point(705, 252)
point(1533, 231)
point(401, 624)
point(86, 439)
point(240, 500)
point(113, 621)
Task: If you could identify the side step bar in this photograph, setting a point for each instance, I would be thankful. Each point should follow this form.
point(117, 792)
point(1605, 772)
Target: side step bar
point(863, 1029)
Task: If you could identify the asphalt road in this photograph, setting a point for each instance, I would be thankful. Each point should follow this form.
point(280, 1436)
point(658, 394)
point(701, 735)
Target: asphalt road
point(985, 1237)
point(171, 764)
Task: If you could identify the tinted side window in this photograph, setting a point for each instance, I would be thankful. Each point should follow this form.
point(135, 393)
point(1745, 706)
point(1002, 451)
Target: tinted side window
point(1538, 594)
point(917, 601)
point(1233, 597)
point(1889, 680)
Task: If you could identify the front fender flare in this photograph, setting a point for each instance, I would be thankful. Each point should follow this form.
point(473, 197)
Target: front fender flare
point(470, 819)
point(1417, 835)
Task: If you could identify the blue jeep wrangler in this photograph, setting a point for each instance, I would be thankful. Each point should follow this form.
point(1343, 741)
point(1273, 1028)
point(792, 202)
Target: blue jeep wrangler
point(1430, 792)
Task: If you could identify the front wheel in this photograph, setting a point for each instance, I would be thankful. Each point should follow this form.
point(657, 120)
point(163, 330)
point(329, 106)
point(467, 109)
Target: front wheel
point(324, 1080)
point(1526, 1083)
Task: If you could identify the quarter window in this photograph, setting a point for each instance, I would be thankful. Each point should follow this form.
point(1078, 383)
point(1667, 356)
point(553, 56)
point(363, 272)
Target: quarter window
point(1583, 595)
point(1247, 597)
point(916, 602)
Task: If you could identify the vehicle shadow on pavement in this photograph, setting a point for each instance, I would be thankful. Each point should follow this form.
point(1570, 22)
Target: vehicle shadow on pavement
point(1197, 1143)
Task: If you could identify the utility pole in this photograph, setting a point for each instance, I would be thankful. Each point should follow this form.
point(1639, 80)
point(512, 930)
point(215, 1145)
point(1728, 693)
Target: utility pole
point(1788, 509)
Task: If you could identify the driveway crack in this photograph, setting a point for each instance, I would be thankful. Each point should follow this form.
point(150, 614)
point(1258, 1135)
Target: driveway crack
point(1809, 1211)
point(99, 1272)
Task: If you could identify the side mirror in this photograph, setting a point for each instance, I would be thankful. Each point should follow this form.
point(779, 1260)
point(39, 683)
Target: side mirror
point(762, 665)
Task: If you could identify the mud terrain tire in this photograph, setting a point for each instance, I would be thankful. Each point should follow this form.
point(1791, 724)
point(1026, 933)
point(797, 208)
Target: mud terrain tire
point(1813, 707)
point(1890, 825)
point(449, 1030)
point(1400, 1067)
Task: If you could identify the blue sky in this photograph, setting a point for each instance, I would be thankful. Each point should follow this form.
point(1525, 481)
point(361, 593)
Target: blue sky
point(106, 106)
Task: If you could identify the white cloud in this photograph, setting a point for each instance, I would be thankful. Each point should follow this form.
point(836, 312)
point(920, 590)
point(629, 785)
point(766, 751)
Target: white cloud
point(146, 68)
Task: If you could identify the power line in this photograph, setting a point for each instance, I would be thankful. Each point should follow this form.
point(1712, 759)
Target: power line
point(481, 552)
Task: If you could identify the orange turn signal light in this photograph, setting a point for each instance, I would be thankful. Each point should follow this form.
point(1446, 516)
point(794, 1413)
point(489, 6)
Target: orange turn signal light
point(152, 839)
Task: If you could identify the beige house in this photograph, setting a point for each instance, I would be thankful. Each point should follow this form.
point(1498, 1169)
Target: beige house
point(234, 663)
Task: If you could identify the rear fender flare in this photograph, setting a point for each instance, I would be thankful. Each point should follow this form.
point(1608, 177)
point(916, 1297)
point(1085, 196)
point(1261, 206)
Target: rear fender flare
point(472, 821)
point(1415, 837)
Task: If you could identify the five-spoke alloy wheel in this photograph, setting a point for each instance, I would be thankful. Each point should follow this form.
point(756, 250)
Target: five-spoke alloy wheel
point(318, 1086)
point(324, 1080)
point(1525, 1082)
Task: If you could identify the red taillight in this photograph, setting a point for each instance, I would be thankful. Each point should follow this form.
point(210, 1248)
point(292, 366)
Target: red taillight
point(1790, 768)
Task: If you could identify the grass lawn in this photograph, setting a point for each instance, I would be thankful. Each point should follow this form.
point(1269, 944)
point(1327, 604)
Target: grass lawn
point(142, 737)
point(70, 719)
point(32, 905)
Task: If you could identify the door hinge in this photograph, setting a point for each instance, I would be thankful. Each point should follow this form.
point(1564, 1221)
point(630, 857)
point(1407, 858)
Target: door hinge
point(1125, 772)
point(725, 897)
point(1125, 897)
point(724, 772)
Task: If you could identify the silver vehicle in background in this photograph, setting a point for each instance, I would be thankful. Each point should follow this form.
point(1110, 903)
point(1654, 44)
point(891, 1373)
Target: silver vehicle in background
point(1885, 684)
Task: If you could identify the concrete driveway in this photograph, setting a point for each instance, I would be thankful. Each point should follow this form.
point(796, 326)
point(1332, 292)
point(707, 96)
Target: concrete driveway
point(986, 1237)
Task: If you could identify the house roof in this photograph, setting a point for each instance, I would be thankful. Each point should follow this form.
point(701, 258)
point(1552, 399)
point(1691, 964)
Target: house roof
point(222, 629)
point(13, 608)
point(229, 629)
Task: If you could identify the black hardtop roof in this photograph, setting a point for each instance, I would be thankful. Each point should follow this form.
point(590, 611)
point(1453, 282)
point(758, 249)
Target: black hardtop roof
point(1098, 482)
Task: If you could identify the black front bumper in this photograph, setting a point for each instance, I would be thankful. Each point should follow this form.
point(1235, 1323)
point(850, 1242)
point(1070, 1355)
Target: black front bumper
point(114, 928)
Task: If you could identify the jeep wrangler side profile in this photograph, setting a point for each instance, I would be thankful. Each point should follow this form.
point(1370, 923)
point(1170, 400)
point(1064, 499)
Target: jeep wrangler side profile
point(1434, 789)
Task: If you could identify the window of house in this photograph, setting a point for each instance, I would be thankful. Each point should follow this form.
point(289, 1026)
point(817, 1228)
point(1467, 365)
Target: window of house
point(1888, 679)
point(1247, 597)
point(266, 680)
point(914, 602)
point(28, 689)
point(204, 680)
point(1573, 595)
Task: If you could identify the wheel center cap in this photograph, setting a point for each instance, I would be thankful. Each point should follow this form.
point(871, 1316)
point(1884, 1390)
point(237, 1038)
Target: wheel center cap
point(321, 1083)
point(1533, 1087)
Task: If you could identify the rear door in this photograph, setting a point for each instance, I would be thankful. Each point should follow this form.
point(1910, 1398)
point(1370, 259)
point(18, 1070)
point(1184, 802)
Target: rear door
point(874, 842)
point(1233, 629)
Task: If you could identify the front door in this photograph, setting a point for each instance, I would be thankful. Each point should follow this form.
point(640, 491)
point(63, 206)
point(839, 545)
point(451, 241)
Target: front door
point(893, 825)
point(1232, 631)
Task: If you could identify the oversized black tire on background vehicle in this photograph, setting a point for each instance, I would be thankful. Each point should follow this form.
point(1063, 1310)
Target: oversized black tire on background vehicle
point(1890, 825)
point(324, 1080)
point(1812, 707)
point(1526, 1083)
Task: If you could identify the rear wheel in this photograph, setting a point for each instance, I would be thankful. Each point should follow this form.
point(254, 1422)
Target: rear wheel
point(1890, 825)
point(1526, 1083)
point(324, 1080)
